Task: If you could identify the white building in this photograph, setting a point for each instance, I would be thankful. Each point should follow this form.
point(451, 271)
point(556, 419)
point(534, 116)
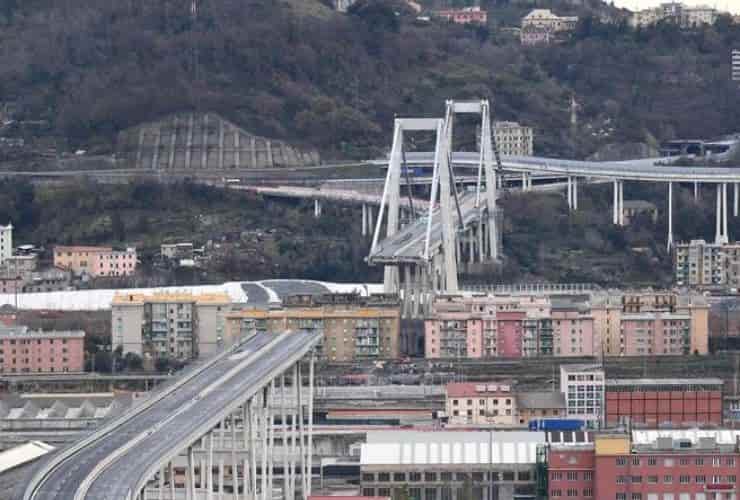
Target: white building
point(736, 65)
point(513, 139)
point(697, 16)
point(545, 18)
point(678, 13)
point(583, 387)
point(6, 242)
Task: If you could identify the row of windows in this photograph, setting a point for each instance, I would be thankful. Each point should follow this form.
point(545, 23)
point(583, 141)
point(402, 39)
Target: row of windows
point(469, 402)
point(28, 341)
point(670, 461)
point(571, 476)
point(415, 477)
point(683, 479)
point(27, 360)
point(572, 492)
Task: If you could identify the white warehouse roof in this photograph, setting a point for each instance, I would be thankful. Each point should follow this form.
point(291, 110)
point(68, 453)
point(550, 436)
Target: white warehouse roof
point(249, 292)
point(22, 454)
point(722, 436)
point(450, 447)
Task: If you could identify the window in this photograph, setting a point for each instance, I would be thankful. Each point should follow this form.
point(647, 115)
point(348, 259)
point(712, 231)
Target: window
point(415, 477)
point(652, 461)
point(556, 493)
point(636, 496)
point(556, 476)
point(621, 480)
point(572, 476)
point(621, 496)
point(636, 479)
point(446, 476)
point(684, 479)
point(621, 461)
point(731, 479)
point(668, 479)
point(368, 477)
point(700, 479)
point(572, 492)
point(430, 476)
point(384, 477)
point(588, 475)
point(588, 492)
point(716, 461)
point(699, 461)
point(635, 460)
point(399, 476)
point(652, 479)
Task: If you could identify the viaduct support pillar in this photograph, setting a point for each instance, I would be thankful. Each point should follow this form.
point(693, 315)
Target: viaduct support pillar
point(725, 235)
point(735, 200)
point(316, 208)
point(570, 193)
point(364, 219)
point(615, 204)
point(670, 216)
point(620, 214)
point(696, 191)
point(575, 193)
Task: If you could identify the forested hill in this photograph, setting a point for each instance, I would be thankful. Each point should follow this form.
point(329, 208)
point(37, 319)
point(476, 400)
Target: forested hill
point(296, 70)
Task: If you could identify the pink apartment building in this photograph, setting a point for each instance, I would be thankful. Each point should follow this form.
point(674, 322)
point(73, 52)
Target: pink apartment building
point(96, 261)
point(622, 324)
point(26, 351)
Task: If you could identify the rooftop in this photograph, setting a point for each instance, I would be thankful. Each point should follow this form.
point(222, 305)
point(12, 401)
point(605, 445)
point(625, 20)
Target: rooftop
point(721, 436)
point(22, 454)
point(9, 332)
point(164, 297)
point(405, 447)
point(581, 367)
point(540, 399)
point(473, 389)
point(616, 382)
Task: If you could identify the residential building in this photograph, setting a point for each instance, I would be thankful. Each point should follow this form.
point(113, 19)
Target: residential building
point(674, 12)
point(535, 35)
point(573, 327)
point(636, 208)
point(23, 350)
point(595, 324)
point(6, 242)
point(353, 327)
point(490, 403)
point(583, 388)
point(513, 139)
point(467, 15)
point(48, 280)
point(707, 265)
point(736, 62)
point(535, 405)
point(177, 251)
point(658, 402)
point(174, 325)
point(651, 323)
point(571, 471)
point(545, 18)
point(96, 261)
point(442, 464)
point(17, 265)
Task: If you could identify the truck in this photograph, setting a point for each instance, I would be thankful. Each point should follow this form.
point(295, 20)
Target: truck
point(556, 424)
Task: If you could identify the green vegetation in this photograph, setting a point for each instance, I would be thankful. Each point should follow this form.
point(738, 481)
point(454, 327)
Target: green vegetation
point(298, 71)
point(251, 237)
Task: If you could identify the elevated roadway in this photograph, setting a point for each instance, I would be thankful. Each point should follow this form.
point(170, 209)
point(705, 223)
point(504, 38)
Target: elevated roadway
point(116, 461)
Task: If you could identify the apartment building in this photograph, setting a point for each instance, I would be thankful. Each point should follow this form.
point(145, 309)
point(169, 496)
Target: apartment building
point(513, 139)
point(583, 388)
point(649, 403)
point(467, 15)
point(707, 265)
point(573, 328)
point(23, 350)
point(491, 403)
point(6, 242)
point(174, 325)
point(651, 323)
point(96, 261)
point(353, 327)
point(674, 12)
point(545, 18)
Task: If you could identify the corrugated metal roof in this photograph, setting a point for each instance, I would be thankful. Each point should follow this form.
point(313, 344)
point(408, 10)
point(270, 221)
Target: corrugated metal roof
point(22, 454)
point(722, 436)
point(446, 447)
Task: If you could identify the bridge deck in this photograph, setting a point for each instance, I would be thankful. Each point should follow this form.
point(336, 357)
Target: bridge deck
point(171, 420)
point(408, 243)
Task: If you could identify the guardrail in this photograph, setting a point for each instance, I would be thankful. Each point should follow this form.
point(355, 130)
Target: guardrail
point(103, 464)
point(41, 475)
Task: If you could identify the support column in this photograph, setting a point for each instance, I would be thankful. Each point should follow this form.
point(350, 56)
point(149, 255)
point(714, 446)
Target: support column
point(670, 216)
point(615, 204)
point(696, 190)
point(364, 219)
point(725, 232)
point(524, 181)
point(575, 193)
point(570, 193)
point(310, 423)
point(316, 208)
point(736, 191)
point(621, 203)
point(481, 236)
point(718, 217)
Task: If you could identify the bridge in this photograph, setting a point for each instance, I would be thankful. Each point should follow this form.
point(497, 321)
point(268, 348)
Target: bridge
point(223, 411)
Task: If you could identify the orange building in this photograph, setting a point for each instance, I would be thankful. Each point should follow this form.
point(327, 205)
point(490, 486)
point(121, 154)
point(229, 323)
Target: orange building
point(96, 261)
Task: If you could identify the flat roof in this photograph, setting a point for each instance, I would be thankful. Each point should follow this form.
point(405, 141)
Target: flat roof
point(22, 454)
point(404, 447)
point(664, 381)
point(14, 332)
point(722, 436)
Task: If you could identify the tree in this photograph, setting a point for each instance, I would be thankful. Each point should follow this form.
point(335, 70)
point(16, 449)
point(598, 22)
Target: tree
point(118, 227)
point(162, 364)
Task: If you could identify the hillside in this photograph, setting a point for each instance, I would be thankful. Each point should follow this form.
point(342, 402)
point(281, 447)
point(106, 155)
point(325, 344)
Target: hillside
point(297, 71)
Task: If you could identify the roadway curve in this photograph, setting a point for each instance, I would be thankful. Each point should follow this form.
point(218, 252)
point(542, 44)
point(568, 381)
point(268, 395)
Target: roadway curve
point(163, 425)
